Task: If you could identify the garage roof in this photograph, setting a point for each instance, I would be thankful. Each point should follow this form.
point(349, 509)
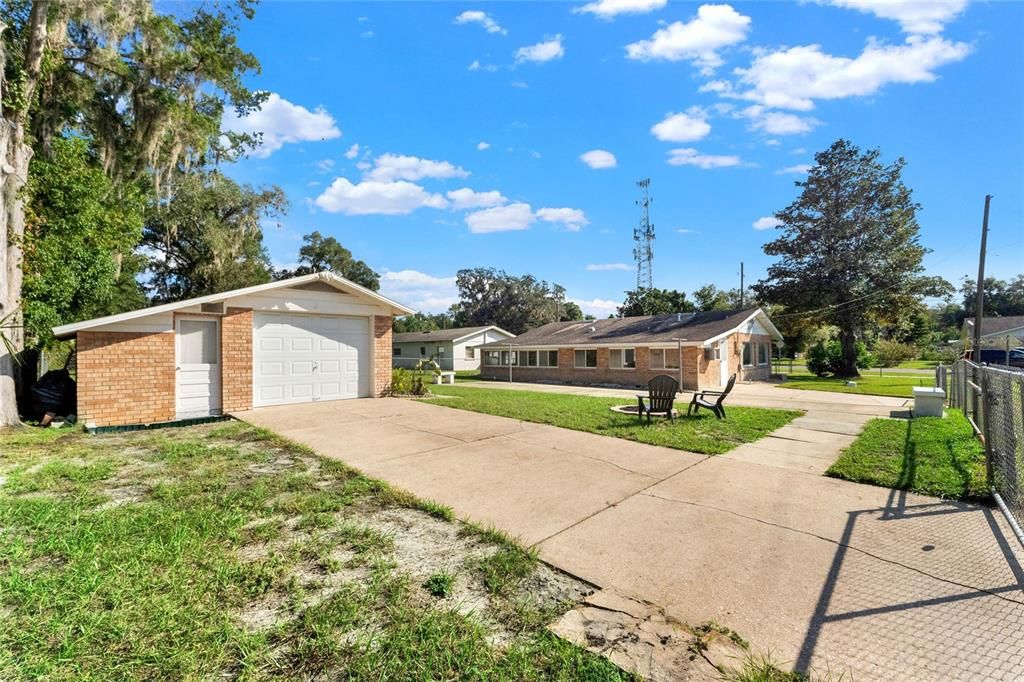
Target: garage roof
point(339, 283)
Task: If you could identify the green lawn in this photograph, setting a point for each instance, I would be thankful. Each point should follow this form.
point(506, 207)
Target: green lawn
point(929, 455)
point(867, 383)
point(221, 551)
point(702, 433)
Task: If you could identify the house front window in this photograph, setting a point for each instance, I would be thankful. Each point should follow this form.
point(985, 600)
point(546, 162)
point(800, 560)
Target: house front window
point(762, 353)
point(396, 351)
point(470, 352)
point(440, 351)
point(585, 359)
point(423, 351)
point(664, 358)
point(506, 356)
point(712, 353)
point(748, 355)
point(492, 358)
point(548, 358)
point(622, 358)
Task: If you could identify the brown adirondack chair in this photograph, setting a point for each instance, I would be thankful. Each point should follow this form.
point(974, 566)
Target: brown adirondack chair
point(661, 393)
point(700, 399)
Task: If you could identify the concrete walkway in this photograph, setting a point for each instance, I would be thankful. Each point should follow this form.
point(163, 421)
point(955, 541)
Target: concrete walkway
point(810, 443)
point(828, 575)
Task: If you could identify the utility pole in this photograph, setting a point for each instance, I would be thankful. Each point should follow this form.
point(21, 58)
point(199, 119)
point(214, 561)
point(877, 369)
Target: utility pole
point(741, 285)
point(979, 303)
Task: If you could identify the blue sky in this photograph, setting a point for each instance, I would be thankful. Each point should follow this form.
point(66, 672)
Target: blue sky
point(381, 113)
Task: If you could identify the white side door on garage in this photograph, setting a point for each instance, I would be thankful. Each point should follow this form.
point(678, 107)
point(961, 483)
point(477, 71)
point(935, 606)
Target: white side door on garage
point(305, 358)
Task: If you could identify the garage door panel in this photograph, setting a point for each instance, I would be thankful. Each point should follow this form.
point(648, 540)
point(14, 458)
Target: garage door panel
point(300, 358)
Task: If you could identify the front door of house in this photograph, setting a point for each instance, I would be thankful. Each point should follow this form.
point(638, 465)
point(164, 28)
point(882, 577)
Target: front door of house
point(723, 354)
point(197, 373)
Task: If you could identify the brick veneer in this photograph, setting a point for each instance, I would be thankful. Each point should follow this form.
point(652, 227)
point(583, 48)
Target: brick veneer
point(236, 333)
point(381, 360)
point(697, 371)
point(125, 377)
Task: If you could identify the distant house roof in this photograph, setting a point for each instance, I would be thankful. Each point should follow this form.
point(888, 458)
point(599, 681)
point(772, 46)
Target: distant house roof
point(689, 328)
point(442, 335)
point(996, 326)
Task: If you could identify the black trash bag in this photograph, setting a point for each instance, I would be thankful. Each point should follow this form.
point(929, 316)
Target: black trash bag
point(55, 392)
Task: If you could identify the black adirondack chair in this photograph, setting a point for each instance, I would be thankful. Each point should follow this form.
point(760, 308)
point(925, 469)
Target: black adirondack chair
point(701, 399)
point(661, 393)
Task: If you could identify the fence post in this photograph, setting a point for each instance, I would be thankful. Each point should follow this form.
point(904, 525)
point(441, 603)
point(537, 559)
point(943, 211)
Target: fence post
point(986, 427)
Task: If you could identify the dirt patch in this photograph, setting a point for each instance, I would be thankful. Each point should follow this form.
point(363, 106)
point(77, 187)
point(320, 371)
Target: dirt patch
point(120, 496)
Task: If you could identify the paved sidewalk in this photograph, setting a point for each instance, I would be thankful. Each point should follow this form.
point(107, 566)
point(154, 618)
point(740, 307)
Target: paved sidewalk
point(828, 575)
point(810, 443)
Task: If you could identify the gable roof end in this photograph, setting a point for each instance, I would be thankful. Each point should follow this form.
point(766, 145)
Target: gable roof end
point(339, 283)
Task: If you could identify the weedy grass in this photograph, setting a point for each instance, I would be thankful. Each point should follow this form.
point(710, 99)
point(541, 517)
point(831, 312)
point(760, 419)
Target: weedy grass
point(928, 455)
point(225, 551)
point(702, 433)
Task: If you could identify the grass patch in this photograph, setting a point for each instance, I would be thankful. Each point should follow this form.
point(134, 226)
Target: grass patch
point(225, 551)
point(895, 386)
point(702, 433)
point(929, 455)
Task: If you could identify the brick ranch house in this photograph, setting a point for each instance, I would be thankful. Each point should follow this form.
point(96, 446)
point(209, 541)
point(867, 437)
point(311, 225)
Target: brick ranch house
point(309, 338)
point(701, 349)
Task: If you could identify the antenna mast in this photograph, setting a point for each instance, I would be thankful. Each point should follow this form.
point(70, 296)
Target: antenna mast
point(643, 239)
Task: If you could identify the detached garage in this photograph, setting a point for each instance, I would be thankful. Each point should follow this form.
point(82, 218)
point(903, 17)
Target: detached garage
point(311, 338)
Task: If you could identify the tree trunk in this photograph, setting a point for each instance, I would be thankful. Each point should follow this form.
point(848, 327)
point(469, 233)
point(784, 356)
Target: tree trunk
point(14, 161)
point(849, 343)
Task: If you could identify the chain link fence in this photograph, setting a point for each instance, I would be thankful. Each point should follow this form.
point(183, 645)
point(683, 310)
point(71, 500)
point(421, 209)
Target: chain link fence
point(992, 399)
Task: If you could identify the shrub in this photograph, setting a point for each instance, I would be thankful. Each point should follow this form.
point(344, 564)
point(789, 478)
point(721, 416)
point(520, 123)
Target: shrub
point(891, 353)
point(404, 382)
point(827, 358)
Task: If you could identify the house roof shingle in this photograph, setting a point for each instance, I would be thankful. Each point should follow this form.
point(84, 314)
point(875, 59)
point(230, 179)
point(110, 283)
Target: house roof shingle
point(438, 335)
point(690, 327)
point(995, 326)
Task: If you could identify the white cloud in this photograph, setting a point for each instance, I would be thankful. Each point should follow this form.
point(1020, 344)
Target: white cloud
point(475, 65)
point(799, 169)
point(483, 145)
point(466, 198)
point(793, 78)
point(572, 218)
point(598, 307)
point(517, 216)
point(914, 16)
point(420, 291)
point(772, 143)
point(608, 9)
point(367, 34)
point(482, 18)
point(682, 127)
point(691, 157)
point(766, 223)
point(281, 123)
point(371, 197)
point(776, 122)
point(325, 164)
point(714, 27)
point(550, 48)
point(607, 267)
point(352, 152)
point(598, 158)
point(388, 167)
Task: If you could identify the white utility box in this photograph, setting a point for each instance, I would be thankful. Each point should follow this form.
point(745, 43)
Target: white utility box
point(928, 402)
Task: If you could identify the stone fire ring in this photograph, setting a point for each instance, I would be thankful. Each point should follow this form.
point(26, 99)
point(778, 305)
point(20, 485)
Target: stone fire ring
point(634, 409)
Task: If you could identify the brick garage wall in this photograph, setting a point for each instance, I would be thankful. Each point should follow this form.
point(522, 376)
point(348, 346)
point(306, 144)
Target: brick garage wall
point(125, 377)
point(236, 359)
point(381, 355)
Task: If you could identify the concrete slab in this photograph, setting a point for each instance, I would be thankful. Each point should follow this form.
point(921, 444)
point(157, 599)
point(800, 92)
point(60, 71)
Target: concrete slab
point(812, 436)
point(755, 453)
point(828, 425)
point(529, 490)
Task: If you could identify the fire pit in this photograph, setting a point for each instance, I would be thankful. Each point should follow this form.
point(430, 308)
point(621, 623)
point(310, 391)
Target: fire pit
point(634, 409)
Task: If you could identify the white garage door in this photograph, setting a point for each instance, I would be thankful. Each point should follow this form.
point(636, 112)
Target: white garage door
point(302, 358)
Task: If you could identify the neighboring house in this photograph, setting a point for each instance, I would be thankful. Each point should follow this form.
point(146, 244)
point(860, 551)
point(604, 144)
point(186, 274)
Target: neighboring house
point(454, 349)
point(309, 338)
point(701, 349)
point(1000, 336)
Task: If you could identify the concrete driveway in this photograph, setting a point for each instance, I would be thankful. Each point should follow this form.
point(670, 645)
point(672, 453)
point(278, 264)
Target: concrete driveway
point(827, 574)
